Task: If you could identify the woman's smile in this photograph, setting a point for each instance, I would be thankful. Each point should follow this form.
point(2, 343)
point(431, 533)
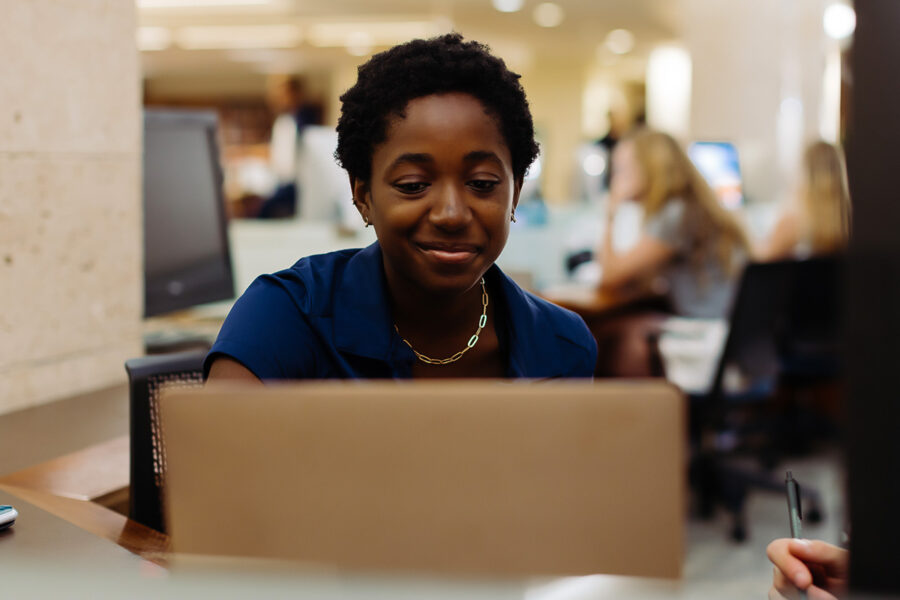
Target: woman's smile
point(450, 253)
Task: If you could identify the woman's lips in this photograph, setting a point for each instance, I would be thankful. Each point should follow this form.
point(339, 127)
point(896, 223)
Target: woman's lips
point(449, 253)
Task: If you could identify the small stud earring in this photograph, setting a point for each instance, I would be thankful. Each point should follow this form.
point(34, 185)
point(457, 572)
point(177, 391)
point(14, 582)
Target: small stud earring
point(366, 221)
point(512, 217)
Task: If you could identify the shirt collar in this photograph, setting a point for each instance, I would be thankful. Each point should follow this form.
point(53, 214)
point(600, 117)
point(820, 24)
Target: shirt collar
point(363, 324)
point(534, 346)
point(362, 314)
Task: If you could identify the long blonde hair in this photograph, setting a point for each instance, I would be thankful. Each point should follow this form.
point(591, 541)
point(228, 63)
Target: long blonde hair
point(825, 197)
point(670, 175)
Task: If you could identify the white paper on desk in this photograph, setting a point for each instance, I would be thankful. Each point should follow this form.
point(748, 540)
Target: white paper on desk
point(690, 350)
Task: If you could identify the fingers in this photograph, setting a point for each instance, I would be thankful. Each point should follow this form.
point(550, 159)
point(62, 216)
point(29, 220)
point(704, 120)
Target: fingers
point(834, 559)
point(774, 594)
point(791, 568)
point(782, 588)
point(814, 592)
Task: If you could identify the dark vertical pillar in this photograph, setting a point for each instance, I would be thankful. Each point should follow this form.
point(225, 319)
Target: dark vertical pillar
point(872, 295)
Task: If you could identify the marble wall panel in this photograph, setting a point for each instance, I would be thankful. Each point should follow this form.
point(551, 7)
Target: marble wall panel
point(61, 377)
point(70, 198)
point(70, 252)
point(69, 77)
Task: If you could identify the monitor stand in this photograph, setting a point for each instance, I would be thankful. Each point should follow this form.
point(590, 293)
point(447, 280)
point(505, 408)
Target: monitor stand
point(176, 340)
point(192, 329)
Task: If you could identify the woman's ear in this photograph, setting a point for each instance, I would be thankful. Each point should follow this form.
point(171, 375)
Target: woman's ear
point(517, 189)
point(360, 190)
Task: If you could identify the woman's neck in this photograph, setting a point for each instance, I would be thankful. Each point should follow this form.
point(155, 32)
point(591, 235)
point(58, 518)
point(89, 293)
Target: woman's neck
point(435, 324)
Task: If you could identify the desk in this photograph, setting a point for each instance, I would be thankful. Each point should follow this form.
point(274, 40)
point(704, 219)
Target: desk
point(593, 304)
point(79, 487)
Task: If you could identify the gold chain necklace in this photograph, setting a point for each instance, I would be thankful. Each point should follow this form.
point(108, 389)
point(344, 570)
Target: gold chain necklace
point(472, 340)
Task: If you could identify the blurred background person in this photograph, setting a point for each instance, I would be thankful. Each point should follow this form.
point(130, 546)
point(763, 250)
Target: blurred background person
point(287, 100)
point(688, 240)
point(620, 124)
point(817, 219)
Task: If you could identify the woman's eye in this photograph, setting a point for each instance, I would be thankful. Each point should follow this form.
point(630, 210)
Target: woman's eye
point(412, 187)
point(483, 185)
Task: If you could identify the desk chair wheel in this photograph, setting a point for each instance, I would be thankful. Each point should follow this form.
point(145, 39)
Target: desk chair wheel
point(738, 530)
point(813, 513)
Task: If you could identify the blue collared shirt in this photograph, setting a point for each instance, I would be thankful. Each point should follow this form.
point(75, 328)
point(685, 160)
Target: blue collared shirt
point(328, 317)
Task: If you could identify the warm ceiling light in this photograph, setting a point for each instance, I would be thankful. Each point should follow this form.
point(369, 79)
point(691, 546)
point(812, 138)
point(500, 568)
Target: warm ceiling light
point(839, 21)
point(620, 41)
point(198, 3)
point(376, 33)
point(359, 43)
point(508, 5)
point(238, 36)
point(153, 38)
point(548, 14)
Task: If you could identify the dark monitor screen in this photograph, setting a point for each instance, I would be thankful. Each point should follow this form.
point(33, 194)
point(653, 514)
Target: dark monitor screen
point(186, 256)
point(719, 165)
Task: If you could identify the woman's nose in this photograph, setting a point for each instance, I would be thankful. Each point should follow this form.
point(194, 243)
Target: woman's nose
point(450, 210)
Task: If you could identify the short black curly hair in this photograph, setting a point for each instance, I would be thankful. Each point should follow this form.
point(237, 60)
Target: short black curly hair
point(389, 80)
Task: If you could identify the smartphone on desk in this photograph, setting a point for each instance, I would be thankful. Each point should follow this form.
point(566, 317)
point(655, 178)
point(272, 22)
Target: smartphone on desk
point(7, 516)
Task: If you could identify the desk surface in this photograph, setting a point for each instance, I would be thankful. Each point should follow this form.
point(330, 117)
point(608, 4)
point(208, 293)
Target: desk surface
point(591, 303)
point(39, 535)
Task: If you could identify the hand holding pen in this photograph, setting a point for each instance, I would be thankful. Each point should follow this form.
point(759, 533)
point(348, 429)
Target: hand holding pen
point(804, 568)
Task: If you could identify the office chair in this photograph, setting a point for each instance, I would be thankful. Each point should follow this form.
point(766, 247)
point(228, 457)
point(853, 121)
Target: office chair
point(147, 377)
point(785, 313)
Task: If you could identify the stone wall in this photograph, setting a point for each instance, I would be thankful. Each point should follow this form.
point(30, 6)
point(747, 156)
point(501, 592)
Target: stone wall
point(70, 197)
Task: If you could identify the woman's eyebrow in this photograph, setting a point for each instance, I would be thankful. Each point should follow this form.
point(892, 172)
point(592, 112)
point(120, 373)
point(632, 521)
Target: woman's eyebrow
point(480, 155)
point(416, 158)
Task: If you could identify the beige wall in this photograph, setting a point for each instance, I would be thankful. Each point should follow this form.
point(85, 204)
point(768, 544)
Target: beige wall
point(555, 90)
point(70, 204)
point(757, 79)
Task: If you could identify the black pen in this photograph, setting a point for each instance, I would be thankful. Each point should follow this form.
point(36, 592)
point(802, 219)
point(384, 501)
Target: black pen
point(793, 499)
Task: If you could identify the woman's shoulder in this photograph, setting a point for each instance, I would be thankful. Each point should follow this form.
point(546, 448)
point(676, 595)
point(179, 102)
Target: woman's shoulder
point(543, 318)
point(310, 281)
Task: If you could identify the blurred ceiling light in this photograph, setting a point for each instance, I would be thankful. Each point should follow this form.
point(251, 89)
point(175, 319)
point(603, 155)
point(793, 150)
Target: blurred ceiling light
point(668, 84)
point(620, 41)
point(153, 38)
point(238, 36)
point(359, 43)
point(376, 33)
point(548, 14)
point(594, 164)
point(508, 5)
point(199, 3)
point(839, 21)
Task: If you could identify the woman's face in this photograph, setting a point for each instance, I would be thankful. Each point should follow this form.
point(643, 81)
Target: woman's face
point(628, 178)
point(441, 194)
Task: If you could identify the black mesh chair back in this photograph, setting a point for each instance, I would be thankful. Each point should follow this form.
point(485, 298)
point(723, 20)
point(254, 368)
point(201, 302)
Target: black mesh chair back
point(810, 347)
point(147, 377)
point(758, 323)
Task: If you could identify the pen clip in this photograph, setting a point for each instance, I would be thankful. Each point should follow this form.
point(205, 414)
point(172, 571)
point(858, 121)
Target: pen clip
point(791, 482)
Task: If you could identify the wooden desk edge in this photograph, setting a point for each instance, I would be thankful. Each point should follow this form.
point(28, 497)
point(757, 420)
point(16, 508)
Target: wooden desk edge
point(102, 522)
point(87, 474)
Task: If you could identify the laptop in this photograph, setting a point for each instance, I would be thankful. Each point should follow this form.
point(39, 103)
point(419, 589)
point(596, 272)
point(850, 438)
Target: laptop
point(478, 478)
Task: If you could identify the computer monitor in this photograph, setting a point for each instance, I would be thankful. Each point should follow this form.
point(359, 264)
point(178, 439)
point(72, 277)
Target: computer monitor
point(719, 165)
point(186, 256)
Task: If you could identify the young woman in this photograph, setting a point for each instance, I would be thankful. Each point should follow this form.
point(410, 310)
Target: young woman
point(436, 137)
point(689, 241)
point(818, 220)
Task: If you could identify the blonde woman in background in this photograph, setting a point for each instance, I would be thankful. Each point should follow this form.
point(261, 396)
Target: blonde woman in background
point(689, 241)
point(818, 221)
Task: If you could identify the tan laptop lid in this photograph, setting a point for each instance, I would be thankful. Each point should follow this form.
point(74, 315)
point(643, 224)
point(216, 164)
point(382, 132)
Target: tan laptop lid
point(470, 478)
